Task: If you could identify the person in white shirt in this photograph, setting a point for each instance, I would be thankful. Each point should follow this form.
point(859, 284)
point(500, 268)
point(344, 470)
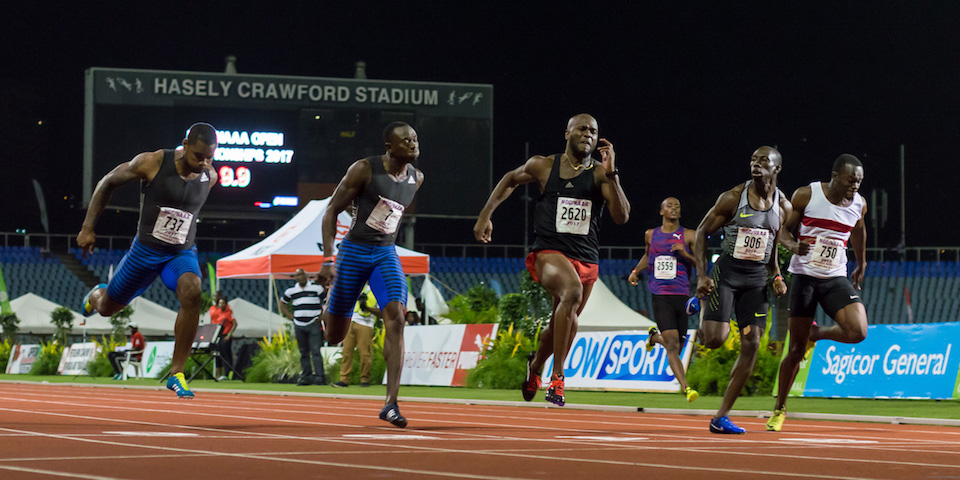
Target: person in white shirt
point(306, 300)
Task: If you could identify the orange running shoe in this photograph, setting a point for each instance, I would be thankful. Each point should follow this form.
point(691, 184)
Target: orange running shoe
point(555, 391)
point(531, 383)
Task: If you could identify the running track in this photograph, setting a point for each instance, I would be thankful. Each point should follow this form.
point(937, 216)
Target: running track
point(51, 431)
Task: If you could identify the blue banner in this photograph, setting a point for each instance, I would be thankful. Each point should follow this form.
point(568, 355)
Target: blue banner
point(894, 361)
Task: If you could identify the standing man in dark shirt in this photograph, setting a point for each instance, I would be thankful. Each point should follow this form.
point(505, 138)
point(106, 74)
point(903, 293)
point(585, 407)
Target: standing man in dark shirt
point(380, 187)
point(306, 299)
point(566, 253)
point(173, 187)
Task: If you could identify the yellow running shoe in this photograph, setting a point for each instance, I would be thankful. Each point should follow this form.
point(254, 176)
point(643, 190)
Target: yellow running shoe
point(776, 420)
point(691, 394)
point(650, 333)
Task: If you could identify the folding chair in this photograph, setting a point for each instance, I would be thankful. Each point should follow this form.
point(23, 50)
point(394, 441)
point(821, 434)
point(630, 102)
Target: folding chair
point(131, 361)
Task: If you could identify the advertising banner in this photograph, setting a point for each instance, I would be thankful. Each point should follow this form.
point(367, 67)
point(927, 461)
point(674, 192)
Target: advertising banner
point(619, 361)
point(442, 354)
point(894, 361)
point(156, 356)
point(22, 358)
point(74, 359)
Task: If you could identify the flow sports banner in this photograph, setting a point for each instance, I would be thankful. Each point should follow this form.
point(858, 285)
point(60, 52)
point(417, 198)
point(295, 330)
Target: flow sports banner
point(619, 361)
point(442, 354)
point(894, 361)
point(22, 358)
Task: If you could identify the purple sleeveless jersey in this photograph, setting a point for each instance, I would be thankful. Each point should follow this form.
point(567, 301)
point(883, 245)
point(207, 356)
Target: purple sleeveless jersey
point(667, 274)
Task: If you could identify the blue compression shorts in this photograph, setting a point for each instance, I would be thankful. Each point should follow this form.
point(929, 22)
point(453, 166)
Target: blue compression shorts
point(141, 266)
point(358, 263)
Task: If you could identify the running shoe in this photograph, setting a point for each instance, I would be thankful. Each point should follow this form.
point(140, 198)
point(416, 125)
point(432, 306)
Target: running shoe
point(776, 420)
point(650, 333)
point(691, 394)
point(692, 306)
point(724, 425)
point(555, 391)
point(391, 413)
point(178, 384)
point(85, 308)
point(531, 384)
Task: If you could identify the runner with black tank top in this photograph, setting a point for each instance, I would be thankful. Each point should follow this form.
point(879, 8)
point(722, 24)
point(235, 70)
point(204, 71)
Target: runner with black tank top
point(174, 185)
point(668, 279)
point(566, 252)
point(829, 215)
point(380, 189)
point(750, 215)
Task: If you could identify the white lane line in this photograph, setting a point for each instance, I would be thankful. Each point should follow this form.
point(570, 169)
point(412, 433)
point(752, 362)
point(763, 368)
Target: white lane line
point(57, 474)
point(828, 441)
point(373, 436)
point(153, 434)
point(602, 438)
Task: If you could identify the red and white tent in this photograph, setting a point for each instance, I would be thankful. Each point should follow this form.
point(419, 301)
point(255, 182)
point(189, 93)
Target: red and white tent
point(298, 244)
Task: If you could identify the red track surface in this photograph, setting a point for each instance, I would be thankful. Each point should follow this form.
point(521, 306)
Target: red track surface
point(49, 431)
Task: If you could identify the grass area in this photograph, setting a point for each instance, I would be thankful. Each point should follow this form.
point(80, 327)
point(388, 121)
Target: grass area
point(901, 408)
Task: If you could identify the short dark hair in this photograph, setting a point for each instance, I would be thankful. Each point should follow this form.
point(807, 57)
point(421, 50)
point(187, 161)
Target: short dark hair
point(388, 132)
point(844, 160)
point(203, 132)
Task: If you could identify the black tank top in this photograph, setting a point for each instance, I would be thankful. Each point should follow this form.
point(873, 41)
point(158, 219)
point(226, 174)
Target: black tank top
point(380, 205)
point(567, 216)
point(169, 206)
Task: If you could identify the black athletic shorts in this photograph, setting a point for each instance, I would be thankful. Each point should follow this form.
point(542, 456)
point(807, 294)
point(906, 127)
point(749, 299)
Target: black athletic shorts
point(741, 287)
point(668, 312)
point(831, 293)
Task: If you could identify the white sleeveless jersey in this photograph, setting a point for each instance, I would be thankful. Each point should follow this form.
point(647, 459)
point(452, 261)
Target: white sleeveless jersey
point(828, 226)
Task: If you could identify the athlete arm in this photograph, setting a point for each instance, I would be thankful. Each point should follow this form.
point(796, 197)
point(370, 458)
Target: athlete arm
point(142, 167)
point(773, 266)
point(721, 213)
point(686, 247)
point(535, 169)
point(283, 309)
point(798, 203)
point(214, 177)
point(357, 176)
point(617, 202)
point(858, 237)
point(642, 265)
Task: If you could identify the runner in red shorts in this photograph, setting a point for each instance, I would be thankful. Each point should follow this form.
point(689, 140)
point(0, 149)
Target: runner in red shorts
point(573, 190)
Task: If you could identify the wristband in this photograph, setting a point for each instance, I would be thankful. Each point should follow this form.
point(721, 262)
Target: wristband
point(777, 277)
point(614, 173)
point(328, 263)
point(635, 272)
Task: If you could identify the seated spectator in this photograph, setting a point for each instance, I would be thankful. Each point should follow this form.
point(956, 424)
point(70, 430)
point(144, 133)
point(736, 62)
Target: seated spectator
point(413, 318)
point(424, 318)
point(137, 342)
point(221, 314)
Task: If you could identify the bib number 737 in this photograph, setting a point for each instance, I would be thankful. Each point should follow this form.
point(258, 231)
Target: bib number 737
point(172, 225)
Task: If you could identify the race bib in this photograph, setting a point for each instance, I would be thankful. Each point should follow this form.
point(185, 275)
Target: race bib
point(172, 226)
point(665, 267)
point(826, 253)
point(385, 216)
point(751, 244)
point(573, 215)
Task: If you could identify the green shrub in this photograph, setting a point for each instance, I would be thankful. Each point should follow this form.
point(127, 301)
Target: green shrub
point(62, 319)
point(100, 366)
point(709, 371)
point(10, 325)
point(541, 302)
point(377, 368)
point(516, 311)
point(278, 359)
point(478, 305)
point(6, 346)
point(119, 321)
point(503, 361)
point(49, 360)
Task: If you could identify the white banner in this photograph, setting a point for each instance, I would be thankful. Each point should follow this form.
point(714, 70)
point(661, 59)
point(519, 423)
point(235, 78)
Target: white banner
point(619, 361)
point(22, 358)
point(75, 358)
point(156, 355)
point(442, 354)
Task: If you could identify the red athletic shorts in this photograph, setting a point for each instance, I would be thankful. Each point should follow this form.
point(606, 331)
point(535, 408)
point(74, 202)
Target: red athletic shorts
point(588, 272)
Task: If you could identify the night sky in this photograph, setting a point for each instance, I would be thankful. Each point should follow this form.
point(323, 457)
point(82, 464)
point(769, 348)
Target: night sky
point(684, 91)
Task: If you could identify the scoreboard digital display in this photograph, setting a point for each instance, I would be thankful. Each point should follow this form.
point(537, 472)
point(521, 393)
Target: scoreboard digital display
point(276, 134)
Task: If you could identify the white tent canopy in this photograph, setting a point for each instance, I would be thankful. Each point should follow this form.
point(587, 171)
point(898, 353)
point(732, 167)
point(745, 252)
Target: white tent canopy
point(604, 311)
point(34, 314)
point(253, 321)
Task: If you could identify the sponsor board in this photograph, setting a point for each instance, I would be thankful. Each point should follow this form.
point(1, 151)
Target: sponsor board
point(894, 361)
point(22, 358)
point(619, 360)
point(74, 359)
point(442, 354)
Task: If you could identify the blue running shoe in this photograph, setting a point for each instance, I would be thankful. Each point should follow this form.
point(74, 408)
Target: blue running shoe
point(692, 306)
point(391, 413)
point(85, 308)
point(179, 385)
point(724, 425)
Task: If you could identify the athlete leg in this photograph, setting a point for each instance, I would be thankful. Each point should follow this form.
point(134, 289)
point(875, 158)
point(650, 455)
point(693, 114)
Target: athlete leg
point(715, 316)
point(389, 285)
point(545, 349)
point(749, 344)
point(188, 318)
point(670, 339)
point(851, 326)
point(559, 277)
point(799, 328)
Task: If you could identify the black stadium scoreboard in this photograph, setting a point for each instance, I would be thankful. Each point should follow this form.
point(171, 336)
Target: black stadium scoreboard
point(276, 133)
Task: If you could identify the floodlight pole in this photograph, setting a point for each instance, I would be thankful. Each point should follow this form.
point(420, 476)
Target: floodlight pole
point(903, 202)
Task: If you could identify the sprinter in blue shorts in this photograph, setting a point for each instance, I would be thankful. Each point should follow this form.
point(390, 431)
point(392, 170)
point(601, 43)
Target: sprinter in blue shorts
point(380, 188)
point(174, 185)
